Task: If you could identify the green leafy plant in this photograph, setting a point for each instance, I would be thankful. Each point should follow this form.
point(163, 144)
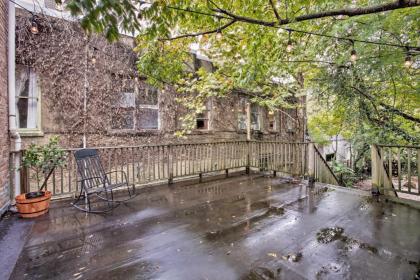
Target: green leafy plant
point(345, 174)
point(43, 159)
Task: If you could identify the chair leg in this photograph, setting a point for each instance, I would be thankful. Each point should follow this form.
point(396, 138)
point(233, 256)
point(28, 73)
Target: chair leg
point(87, 201)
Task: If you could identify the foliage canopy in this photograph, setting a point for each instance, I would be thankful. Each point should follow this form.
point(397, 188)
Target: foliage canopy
point(375, 99)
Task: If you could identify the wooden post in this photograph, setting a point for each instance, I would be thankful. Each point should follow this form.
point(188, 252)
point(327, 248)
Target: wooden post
point(248, 157)
point(170, 171)
point(311, 165)
point(248, 121)
point(376, 161)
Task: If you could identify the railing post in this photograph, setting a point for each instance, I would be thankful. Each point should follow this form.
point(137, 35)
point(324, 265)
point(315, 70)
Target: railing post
point(170, 169)
point(248, 157)
point(376, 161)
point(311, 165)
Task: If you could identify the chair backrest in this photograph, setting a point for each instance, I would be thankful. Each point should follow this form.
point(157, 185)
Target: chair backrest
point(89, 167)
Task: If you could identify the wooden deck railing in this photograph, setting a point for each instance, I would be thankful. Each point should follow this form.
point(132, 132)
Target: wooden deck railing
point(396, 169)
point(154, 163)
point(323, 172)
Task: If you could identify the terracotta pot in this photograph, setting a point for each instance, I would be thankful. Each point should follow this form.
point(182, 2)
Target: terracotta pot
point(33, 207)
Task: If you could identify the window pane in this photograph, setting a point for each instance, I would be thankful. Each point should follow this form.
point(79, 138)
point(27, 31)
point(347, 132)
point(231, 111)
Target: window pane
point(122, 120)
point(27, 97)
point(148, 118)
point(23, 112)
point(242, 121)
point(127, 100)
point(202, 124)
point(22, 80)
point(147, 96)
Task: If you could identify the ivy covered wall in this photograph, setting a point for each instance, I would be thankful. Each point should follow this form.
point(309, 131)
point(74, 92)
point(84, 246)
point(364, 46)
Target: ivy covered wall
point(90, 87)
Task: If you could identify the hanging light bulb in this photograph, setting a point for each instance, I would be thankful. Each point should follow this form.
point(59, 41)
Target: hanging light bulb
point(353, 55)
point(34, 26)
point(93, 60)
point(408, 61)
point(219, 35)
point(289, 47)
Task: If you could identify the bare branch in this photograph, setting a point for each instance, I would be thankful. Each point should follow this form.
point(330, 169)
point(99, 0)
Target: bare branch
point(387, 107)
point(219, 29)
point(275, 10)
point(350, 12)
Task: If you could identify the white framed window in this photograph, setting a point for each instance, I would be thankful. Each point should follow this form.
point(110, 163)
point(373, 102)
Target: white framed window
point(147, 104)
point(124, 111)
point(137, 110)
point(255, 115)
point(272, 120)
point(28, 105)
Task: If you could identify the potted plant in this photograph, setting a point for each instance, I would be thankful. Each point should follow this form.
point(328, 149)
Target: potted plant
point(42, 159)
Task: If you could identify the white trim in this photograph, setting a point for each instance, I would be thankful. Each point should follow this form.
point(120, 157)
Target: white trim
point(33, 122)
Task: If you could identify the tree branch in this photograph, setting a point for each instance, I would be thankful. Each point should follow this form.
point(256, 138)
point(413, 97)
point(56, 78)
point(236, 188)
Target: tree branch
point(388, 108)
point(275, 10)
point(200, 33)
point(350, 12)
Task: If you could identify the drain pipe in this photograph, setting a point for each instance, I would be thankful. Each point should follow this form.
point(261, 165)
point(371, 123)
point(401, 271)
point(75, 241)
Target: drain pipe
point(14, 134)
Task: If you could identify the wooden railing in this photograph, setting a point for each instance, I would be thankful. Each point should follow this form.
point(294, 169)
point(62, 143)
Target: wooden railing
point(155, 163)
point(396, 169)
point(322, 171)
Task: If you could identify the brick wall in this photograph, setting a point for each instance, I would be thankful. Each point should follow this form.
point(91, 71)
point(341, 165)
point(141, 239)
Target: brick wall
point(4, 135)
point(68, 70)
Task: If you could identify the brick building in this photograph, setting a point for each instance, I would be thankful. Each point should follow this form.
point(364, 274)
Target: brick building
point(88, 92)
point(4, 112)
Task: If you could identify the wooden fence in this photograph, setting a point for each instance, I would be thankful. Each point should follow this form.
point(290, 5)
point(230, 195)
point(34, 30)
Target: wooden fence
point(155, 163)
point(396, 169)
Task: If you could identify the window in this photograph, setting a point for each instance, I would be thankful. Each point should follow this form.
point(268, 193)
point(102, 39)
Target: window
point(272, 121)
point(330, 157)
point(255, 115)
point(148, 109)
point(137, 110)
point(242, 114)
point(123, 115)
point(27, 99)
point(202, 119)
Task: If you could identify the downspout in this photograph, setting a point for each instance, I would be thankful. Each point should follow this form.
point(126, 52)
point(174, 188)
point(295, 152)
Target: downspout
point(14, 134)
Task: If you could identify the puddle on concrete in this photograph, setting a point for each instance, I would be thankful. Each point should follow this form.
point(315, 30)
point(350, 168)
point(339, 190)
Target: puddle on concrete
point(271, 211)
point(328, 235)
point(327, 270)
point(262, 273)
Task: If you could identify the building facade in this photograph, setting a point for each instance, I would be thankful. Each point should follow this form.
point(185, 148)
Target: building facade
point(88, 92)
point(4, 112)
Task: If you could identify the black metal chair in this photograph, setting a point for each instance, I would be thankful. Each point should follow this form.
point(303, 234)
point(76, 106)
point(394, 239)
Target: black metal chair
point(95, 181)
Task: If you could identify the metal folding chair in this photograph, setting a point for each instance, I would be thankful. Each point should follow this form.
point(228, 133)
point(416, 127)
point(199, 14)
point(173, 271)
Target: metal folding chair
point(95, 181)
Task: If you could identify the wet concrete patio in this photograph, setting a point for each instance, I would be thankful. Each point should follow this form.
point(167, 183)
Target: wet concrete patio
point(244, 227)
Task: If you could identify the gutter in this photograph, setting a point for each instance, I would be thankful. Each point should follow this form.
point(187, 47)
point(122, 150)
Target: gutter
point(13, 131)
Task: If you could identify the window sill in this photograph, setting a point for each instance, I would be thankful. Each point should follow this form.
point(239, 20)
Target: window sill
point(143, 132)
point(30, 133)
point(201, 131)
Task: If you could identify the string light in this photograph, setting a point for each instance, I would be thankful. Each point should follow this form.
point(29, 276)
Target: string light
point(408, 61)
point(289, 47)
point(219, 35)
point(34, 26)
